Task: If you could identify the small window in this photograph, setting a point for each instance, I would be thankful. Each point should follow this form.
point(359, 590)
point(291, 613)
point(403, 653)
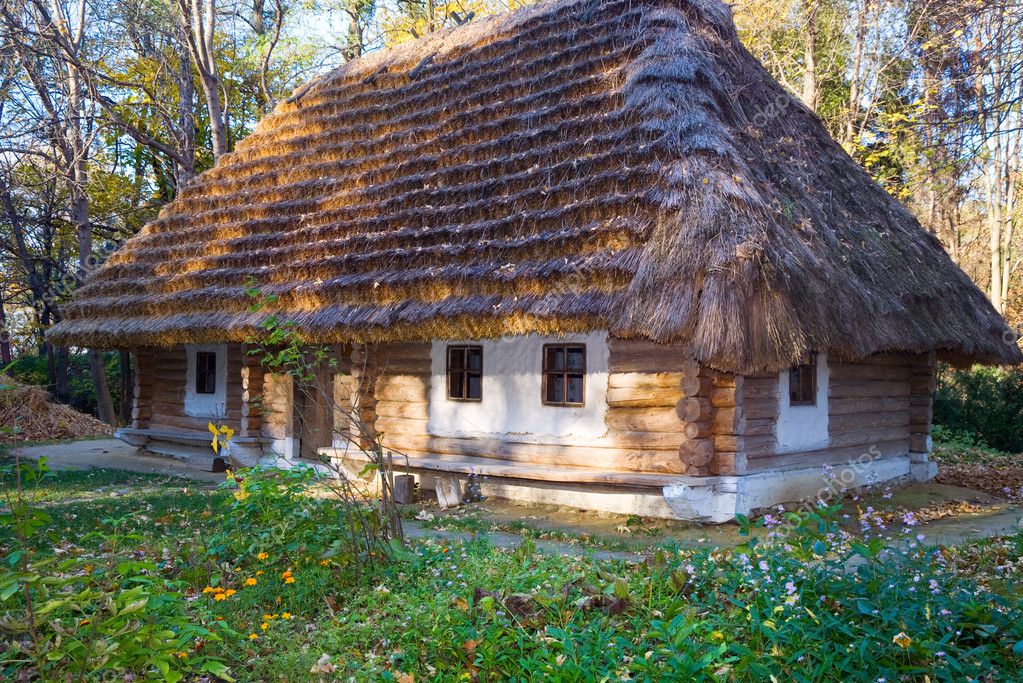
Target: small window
point(564, 374)
point(803, 384)
point(465, 373)
point(205, 372)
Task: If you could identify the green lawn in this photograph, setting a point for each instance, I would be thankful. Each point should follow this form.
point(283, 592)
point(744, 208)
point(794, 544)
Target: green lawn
point(124, 553)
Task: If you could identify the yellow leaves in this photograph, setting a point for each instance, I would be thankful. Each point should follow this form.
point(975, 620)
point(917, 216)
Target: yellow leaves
point(902, 640)
point(223, 434)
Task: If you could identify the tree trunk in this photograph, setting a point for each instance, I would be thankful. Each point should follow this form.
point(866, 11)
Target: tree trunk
point(183, 173)
point(62, 375)
point(853, 113)
point(809, 94)
point(104, 404)
point(5, 336)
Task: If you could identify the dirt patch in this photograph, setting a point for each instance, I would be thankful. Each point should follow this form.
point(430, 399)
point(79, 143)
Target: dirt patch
point(28, 414)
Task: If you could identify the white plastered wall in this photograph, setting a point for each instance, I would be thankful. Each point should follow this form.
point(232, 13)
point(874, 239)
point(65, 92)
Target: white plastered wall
point(512, 404)
point(211, 406)
point(802, 428)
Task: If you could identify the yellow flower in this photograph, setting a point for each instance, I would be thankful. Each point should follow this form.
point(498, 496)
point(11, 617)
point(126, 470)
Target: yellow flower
point(289, 580)
point(83, 622)
point(262, 556)
point(250, 581)
point(264, 626)
point(220, 596)
point(902, 640)
point(182, 655)
point(259, 572)
point(286, 615)
point(253, 636)
point(324, 563)
point(207, 589)
point(229, 592)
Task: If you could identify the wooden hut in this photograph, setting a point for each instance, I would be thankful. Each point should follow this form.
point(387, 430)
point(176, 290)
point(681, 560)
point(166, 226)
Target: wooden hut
point(589, 251)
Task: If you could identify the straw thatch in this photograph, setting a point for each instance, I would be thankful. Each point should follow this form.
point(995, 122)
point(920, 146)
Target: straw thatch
point(578, 164)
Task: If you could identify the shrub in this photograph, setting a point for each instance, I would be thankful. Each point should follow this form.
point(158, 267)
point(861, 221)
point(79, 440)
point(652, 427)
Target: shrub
point(985, 403)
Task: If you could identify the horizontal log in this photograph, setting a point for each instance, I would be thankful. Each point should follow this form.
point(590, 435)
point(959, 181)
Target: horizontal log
point(690, 367)
point(726, 380)
point(866, 437)
point(760, 426)
point(760, 408)
point(830, 456)
point(403, 392)
point(607, 458)
point(696, 386)
point(729, 443)
point(869, 372)
point(630, 380)
point(848, 406)
point(416, 411)
point(643, 420)
point(860, 421)
point(728, 421)
point(401, 425)
point(648, 398)
point(626, 355)
point(867, 389)
point(759, 389)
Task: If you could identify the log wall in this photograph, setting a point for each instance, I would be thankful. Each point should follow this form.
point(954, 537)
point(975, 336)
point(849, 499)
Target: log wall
point(162, 386)
point(644, 429)
point(870, 412)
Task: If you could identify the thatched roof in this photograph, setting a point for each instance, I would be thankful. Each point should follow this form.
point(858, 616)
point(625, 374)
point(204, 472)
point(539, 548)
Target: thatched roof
point(573, 165)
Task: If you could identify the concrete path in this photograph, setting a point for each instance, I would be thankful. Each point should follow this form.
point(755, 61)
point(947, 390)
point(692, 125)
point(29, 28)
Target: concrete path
point(112, 454)
point(115, 454)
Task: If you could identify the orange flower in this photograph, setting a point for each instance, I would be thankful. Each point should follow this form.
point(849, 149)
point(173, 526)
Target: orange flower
point(290, 579)
point(229, 592)
point(253, 636)
point(262, 556)
point(220, 596)
point(207, 589)
point(83, 622)
point(250, 581)
point(286, 574)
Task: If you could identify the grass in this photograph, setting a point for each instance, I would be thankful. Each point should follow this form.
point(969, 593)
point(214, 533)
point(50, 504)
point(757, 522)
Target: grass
point(467, 611)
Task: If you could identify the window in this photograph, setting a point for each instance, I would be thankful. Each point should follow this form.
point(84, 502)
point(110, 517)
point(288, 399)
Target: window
point(205, 372)
point(564, 374)
point(803, 384)
point(465, 373)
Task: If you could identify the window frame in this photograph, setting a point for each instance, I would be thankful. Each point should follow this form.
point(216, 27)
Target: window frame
point(465, 371)
point(565, 372)
point(206, 371)
point(795, 385)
